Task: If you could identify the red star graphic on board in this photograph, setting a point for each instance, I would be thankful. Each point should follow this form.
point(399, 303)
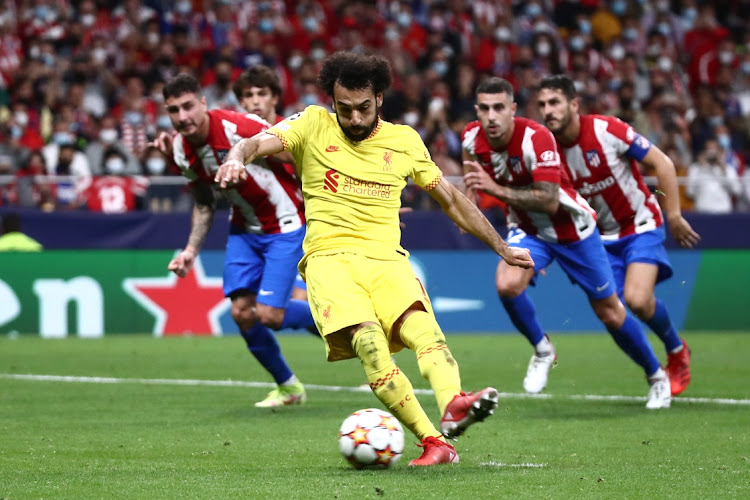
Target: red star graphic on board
point(192, 304)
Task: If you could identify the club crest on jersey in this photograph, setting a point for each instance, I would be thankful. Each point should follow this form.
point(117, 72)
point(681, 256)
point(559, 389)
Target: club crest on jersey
point(221, 154)
point(592, 158)
point(387, 159)
point(331, 182)
point(515, 164)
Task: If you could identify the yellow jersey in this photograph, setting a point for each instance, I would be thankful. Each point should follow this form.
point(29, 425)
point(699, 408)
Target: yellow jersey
point(352, 190)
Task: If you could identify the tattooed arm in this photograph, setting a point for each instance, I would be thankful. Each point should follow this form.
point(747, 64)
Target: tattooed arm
point(203, 217)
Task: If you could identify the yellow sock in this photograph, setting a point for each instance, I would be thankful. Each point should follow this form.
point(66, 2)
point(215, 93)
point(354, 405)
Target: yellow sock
point(421, 333)
point(388, 383)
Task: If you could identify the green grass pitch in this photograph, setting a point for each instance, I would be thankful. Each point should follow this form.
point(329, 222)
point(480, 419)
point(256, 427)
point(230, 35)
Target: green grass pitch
point(143, 435)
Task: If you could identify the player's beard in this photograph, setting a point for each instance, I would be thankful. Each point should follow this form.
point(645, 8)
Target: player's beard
point(561, 125)
point(362, 132)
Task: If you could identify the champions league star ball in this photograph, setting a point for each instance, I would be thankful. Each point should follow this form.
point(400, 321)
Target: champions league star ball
point(371, 438)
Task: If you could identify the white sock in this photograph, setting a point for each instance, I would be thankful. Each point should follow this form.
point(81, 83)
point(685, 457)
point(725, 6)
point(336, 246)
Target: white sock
point(544, 347)
point(290, 381)
point(657, 375)
point(677, 349)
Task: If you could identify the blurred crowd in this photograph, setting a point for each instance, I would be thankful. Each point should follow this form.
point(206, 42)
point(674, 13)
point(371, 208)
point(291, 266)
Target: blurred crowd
point(80, 81)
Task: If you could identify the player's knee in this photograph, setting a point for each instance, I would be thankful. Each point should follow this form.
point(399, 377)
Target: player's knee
point(420, 330)
point(610, 311)
point(507, 288)
point(243, 314)
point(642, 304)
point(272, 317)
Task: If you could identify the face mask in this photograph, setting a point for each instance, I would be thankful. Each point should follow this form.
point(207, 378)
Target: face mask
point(630, 34)
point(617, 52)
point(48, 59)
point(156, 165)
point(437, 23)
point(746, 68)
point(41, 11)
point(440, 67)
point(502, 34)
point(61, 138)
point(115, 165)
point(152, 38)
point(133, 117)
point(580, 86)
point(690, 14)
point(88, 19)
point(318, 54)
point(662, 6)
point(585, 26)
point(543, 49)
point(411, 118)
point(619, 7)
point(108, 135)
point(184, 7)
point(665, 64)
point(724, 141)
point(577, 43)
point(21, 118)
point(726, 57)
point(16, 132)
point(265, 25)
point(34, 52)
point(309, 99)
point(164, 122)
point(310, 23)
point(533, 10)
point(99, 55)
point(715, 121)
point(653, 50)
point(403, 19)
point(391, 34)
point(664, 28)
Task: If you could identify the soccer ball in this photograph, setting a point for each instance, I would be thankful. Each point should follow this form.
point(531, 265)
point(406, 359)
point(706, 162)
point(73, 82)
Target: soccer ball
point(371, 438)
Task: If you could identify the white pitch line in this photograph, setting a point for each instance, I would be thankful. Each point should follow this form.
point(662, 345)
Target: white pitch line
point(340, 388)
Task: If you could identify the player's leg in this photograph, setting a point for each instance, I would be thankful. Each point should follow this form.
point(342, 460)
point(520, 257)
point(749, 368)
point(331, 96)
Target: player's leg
point(511, 283)
point(647, 264)
point(587, 264)
point(299, 292)
point(242, 273)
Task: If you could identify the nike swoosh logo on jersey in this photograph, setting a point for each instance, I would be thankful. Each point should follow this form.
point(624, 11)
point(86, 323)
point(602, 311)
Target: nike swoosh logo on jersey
point(265, 292)
point(601, 288)
point(332, 149)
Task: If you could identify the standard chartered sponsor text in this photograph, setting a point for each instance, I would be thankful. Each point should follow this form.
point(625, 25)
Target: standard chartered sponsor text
point(366, 188)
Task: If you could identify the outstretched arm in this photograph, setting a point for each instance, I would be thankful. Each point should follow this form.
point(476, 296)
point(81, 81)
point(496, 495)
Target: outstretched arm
point(681, 230)
point(244, 152)
point(203, 216)
point(468, 217)
point(537, 197)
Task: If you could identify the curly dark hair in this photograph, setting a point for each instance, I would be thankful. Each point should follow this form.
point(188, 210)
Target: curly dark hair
point(182, 84)
point(257, 76)
point(355, 72)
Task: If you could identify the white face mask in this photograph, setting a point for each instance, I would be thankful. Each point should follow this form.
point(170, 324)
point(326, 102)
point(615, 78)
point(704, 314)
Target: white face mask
point(21, 118)
point(726, 56)
point(543, 48)
point(99, 55)
point(502, 34)
point(665, 64)
point(88, 19)
point(108, 135)
point(156, 165)
point(411, 118)
point(115, 165)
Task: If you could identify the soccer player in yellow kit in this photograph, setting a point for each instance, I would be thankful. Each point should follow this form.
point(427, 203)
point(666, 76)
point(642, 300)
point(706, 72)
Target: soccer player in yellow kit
point(365, 298)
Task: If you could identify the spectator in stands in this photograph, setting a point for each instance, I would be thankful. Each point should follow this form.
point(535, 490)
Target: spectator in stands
point(108, 139)
point(711, 184)
point(219, 94)
point(12, 239)
point(114, 192)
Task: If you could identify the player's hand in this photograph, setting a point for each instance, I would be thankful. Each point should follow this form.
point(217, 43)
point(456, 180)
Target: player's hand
point(182, 264)
point(478, 178)
point(163, 142)
point(230, 173)
point(517, 257)
point(682, 232)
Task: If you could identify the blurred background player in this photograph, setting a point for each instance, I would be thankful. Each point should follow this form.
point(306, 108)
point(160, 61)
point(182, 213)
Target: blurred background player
point(267, 226)
point(515, 159)
point(12, 239)
point(366, 299)
point(258, 90)
point(601, 153)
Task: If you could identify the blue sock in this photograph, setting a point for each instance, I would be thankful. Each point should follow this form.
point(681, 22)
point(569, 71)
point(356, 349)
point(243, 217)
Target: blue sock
point(632, 339)
point(298, 315)
point(523, 315)
point(263, 345)
point(663, 327)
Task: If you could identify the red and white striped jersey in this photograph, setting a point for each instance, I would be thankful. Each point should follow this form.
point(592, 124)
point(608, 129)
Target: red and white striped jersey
point(269, 200)
point(531, 156)
point(602, 166)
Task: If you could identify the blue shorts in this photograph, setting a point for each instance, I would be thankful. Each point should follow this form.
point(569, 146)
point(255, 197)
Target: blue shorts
point(300, 283)
point(585, 262)
point(646, 247)
point(264, 264)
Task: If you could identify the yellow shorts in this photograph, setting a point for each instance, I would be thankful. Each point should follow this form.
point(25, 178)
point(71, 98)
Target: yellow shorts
point(346, 289)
